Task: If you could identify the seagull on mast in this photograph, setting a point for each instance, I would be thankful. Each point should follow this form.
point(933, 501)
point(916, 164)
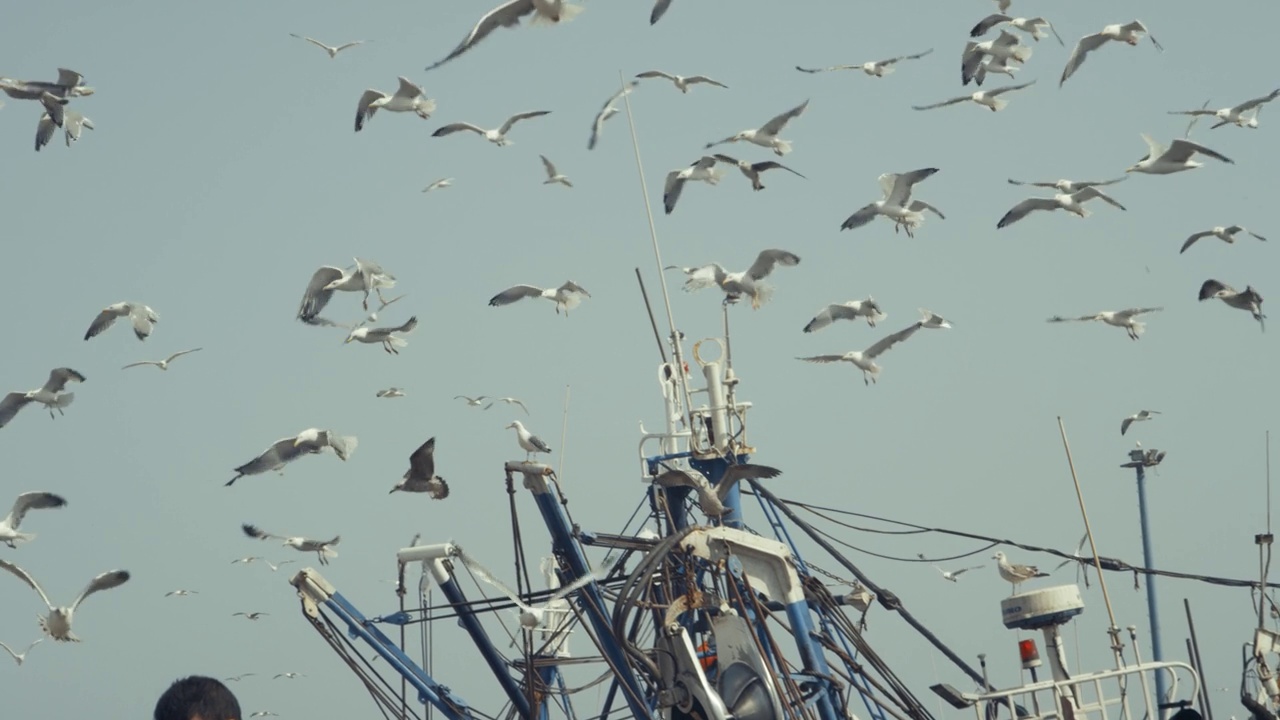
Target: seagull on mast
point(530, 443)
point(1014, 574)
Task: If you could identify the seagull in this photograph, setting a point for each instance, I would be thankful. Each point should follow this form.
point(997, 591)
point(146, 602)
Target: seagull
point(385, 335)
point(1015, 574)
point(162, 364)
point(703, 170)
point(552, 175)
point(9, 534)
point(321, 548)
point(238, 678)
point(22, 656)
point(181, 593)
point(1079, 549)
point(288, 675)
point(276, 566)
point(530, 617)
point(421, 475)
point(1007, 47)
point(311, 441)
point(1027, 25)
point(896, 204)
point(1136, 417)
point(865, 360)
point(1234, 115)
point(142, 317)
point(567, 296)
point(439, 185)
point(682, 83)
point(72, 124)
point(509, 401)
point(1070, 186)
point(954, 575)
point(767, 135)
point(58, 622)
point(364, 276)
point(994, 66)
point(248, 616)
point(70, 84)
point(473, 401)
point(987, 98)
point(1127, 33)
point(1119, 318)
point(333, 51)
point(1071, 202)
point(747, 282)
point(850, 310)
point(1248, 300)
point(51, 395)
point(711, 500)
point(1225, 234)
point(1176, 158)
point(508, 14)
point(264, 713)
point(932, 321)
point(607, 111)
point(877, 68)
point(529, 442)
point(752, 170)
point(391, 392)
point(497, 137)
point(409, 97)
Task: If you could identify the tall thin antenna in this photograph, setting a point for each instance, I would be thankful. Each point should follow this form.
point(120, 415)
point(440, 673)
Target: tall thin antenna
point(652, 322)
point(1268, 482)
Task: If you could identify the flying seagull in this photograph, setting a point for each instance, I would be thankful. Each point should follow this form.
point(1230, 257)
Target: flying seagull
point(322, 548)
point(1119, 318)
point(681, 82)
point(509, 401)
point(1033, 26)
point(607, 111)
point(553, 176)
point(333, 51)
point(529, 442)
point(1076, 556)
point(1127, 33)
point(767, 135)
point(995, 66)
point(181, 593)
point(1249, 300)
point(21, 657)
point(896, 204)
point(249, 616)
point(409, 97)
point(72, 125)
point(365, 276)
point(954, 575)
point(391, 392)
point(439, 185)
point(1176, 158)
point(1015, 574)
point(1071, 202)
point(1225, 234)
point(386, 336)
point(850, 310)
point(142, 317)
point(736, 284)
point(70, 84)
point(1136, 417)
point(1234, 115)
point(660, 8)
point(264, 713)
point(9, 534)
point(567, 296)
point(274, 567)
point(497, 137)
point(58, 622)
point(473, 401)
point(711, 499)
point(288, 675)
point(530, 617)
point(704, 170)
point(162, 364)
point(1007, 48)
point(876, 68)
point(311, 441)
point(509, 14)
point(1070, 186)
point(421, 475)
point(752, 170)
point(932, 321)
point(987, 98)
point(51, 395)
point(865, 360)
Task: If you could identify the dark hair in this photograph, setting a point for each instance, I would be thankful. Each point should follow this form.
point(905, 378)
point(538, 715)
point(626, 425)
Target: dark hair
point(197, 698)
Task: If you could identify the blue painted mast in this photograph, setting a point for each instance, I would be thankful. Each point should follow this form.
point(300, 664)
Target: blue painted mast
point(1139, 461)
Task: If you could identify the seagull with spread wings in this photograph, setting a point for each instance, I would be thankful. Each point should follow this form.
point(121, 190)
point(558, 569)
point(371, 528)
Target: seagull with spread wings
point(364, 276)
point(421, 475)
point(736, 284)
point(1130, 33)
point(1225, 234)
point(1126, 319)
point(51, 395)
point(497, 136)
point(1248, 299)
point(954, 575)
point(21, 657)
point(142, 317)
point(439, 185)
point(703, 170)
point(989, 99)
point(391, 392)
point(1033, 26)
point(567, 296)
point(851, 310)
point(1160, 160)
point(472, 401)
point(1071, 202)
point(333, 51)
point(322, 548)
point(57, 624)
point(1006, 48)
point(249, 616)
point(387, 336)
point(1136, 417)
point(408, 97)
point(711, 499)
point(73, 123)
point(508, 14)
point(312, 441)
point(554, 176)
point(607, 111)
point(896, 204)
point(509, 401)
point(162, 364)
point(531, 617)
point(1070, 186)
point(865, 360)
point(767, 135)
point(875, 68)
point(752, 170)
point(1237, 115)
point(9, 534)
point(681, 82)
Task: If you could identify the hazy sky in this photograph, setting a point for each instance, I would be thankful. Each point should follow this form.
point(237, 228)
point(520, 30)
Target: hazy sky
point(223, 171)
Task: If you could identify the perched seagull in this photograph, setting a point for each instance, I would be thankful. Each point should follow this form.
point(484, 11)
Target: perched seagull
point(711, 499)
point(1015, 574)
point(22, 656)
point(365, 276)
point(509, 401)
point(530, 617)
point(51, 395)
point(1176, 158)
point(72, 124)
point(865, 360)
point(421, 475)
point(932, 321)
point(1071, 202)
point(497, 137)
point(473, 401)
point(1248, 300)
point(767, 135)
point(142, 317)
point(439, 185)
point(876, 68)
point(567, 296)
point(386, 336)
point(288, 675)
point(737, 284)
point(851, 310)
point(391, 392)
point(752, 170)
point(896, 204)
point(509, 14)
point(1127, 33)
point(1070, 186)
point(987, 98)
point(1225, 234)
point(1033, 26)
point(1007, 47)
point(58, 622)
point(529, 442)
point(682, 83)
point(954, 575)
point(1119, 318)
point(409, 97)
point(1235, 115)
point(703, 170)
point(162, 364)
point(249, 616)
point(181, 593)
point(1136, 417)
point(552, 175)
point(321, 548)
point(9, 534)
point(607, 111)
point(311, 441)
point(333, 51)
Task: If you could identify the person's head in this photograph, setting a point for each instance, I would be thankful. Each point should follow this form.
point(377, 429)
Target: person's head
point(197, 698)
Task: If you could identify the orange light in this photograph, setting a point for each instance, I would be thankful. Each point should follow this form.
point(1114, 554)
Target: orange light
point(1029, 654)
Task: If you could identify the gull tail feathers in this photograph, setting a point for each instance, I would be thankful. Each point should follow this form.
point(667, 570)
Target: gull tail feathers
point(397, 341)
point(64, 400)
point(784, 147)
point(567, 13)
point(998, 104)
point(330, 552)
point(346, 446)
point(1139, 328)
point(1022, 53)
point(20, 538)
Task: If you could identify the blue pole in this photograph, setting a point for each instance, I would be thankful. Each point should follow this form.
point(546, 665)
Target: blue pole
point(1156, 650)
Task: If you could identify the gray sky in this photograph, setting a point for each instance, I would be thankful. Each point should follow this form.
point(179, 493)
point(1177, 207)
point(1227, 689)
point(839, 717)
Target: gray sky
point(223, 171)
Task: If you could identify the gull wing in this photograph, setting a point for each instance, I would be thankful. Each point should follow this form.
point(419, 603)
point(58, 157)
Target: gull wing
point(659, 9)
point(985, 24)
point(830, 314)
point(551, 169)
point(513, 401)
point(422, 463)
point(408, 89)
point(44, 131)
point(1250, 104)
point(1193, 112)
point(889, 341)
point(180, 353)
point(1082, 318)
point(1086, 45)
point(1091, 192)
point(507, 14)
point(766, 165)
point(1037, 184)
point(902, 184)
point(259, 534)
point(672, 189)
point(1212, 287)
point(1019, 211)
point(58, 379)
point(822, 358)
point(597, 125)
point(31, 501)
point(572, 288)
point(581, 582)
point(10, 405)
point(73, 123)
point(281, 452)
point(506, 126)
point(944, 103)
point(833, 67)
point(626, 90)
point(700, 278)
point(105, 581)
point(104, 320)
point(1099, 183)
point(655, 74)
point(1006, 40)
point(315, 297)
point(920, 206)
point(900, 58)
point(26, 578)
point(1181, 150)
point(142, 318)
point(483, 573)
point(682, 478)
point(706, 80)
point(363, 111)
point(344, 446)
point(1137, 311)
point(768, 259)
point(1124, 427)
point(734, 473)
point(1009, 88)
point(69, 78)
point(1192, 239)
point(774, 126)
point(455, 127)
point(1138, 26)
point(512, 294)
point(864, 215)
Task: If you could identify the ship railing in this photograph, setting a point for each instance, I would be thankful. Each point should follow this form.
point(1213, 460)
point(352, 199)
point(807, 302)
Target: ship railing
point(1100, 695)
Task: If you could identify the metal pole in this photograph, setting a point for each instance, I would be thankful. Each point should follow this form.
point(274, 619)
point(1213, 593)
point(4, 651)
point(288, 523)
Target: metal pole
point(1157, 651)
